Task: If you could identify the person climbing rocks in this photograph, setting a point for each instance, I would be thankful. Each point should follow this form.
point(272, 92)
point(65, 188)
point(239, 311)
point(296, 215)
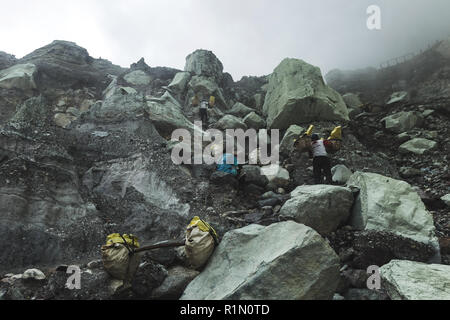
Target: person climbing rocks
point(204, 112)
point(321, 161)
point(229, 164)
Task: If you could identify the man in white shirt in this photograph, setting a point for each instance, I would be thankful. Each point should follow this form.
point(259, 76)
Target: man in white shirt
point(321, 162)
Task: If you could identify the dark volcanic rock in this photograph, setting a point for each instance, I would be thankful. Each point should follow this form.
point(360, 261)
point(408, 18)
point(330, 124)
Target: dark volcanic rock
point(377, 248)
point(63, 64)
point(6, 60)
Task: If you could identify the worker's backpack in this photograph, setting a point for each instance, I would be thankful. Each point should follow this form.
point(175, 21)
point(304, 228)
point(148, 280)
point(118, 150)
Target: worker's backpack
point(201, 240)
point(119, 258)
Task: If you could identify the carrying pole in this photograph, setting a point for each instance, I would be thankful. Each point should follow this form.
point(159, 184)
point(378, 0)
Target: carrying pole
point(163, 244)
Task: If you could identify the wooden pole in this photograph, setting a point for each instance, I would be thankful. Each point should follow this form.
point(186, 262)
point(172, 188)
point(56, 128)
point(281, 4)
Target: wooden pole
point(163, 244)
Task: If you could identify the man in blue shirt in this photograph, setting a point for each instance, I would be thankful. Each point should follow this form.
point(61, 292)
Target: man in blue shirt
point(226, 167)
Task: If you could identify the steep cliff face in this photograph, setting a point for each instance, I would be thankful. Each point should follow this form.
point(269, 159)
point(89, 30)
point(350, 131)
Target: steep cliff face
point(86, 151)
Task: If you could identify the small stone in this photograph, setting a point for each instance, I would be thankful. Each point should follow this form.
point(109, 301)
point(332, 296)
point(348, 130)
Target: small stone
point(446, 199)
point(281, 191)
point(95, 264)
point(337, 296)
point(35, 274)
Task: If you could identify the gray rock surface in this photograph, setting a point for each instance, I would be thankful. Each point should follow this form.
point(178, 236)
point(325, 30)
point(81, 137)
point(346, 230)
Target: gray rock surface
point(417, 146)
point(386, 204)
point(408, 280)
point(19, 76)
point(230, 122)
point(242, 269)
point(298, 94)
point(321, 207)
point(253, 120)
point(403, 121)
point(205, 63)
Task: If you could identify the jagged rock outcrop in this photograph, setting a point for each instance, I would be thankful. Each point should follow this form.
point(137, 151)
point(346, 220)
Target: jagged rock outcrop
point(297, 94)
point(6, 60)
point(408, 280)
point(204, 63)
point(321, 207)
point(64, 65)
point(166, 114)
point(180, 82)
point(242, 269)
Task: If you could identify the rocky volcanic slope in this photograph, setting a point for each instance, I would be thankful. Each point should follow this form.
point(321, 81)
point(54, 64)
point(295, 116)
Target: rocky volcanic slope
point(85, 151)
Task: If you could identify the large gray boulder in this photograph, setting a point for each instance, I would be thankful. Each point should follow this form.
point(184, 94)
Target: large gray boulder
point(286, 260)
point(418, 146)
point(19, 76)
point(298, 94)
point(138, 78)
point(386, 204)
point(352, 101)
point(409, 280)
point(240, 110)
point(205, 63)
point(165, 113)
point(253, 120)
point(64, 64)
point(403, 121)
point(287, 144)
point(180, 82)
point(321, 207)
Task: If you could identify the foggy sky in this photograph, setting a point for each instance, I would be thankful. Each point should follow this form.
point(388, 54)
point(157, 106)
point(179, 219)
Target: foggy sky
point(250, 37)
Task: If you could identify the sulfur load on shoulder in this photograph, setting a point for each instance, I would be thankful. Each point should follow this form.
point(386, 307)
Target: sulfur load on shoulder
point(119, 258)
point(303, 143)
point(201, 239)
point(335, 140)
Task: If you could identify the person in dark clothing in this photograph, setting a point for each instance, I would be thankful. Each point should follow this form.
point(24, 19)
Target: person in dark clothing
point(204, 112)
point(321, 161)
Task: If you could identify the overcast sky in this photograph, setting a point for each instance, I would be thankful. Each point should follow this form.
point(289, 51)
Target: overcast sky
point(250, 37)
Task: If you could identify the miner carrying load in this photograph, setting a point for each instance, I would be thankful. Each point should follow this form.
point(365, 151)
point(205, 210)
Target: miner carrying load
point(319, 149)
